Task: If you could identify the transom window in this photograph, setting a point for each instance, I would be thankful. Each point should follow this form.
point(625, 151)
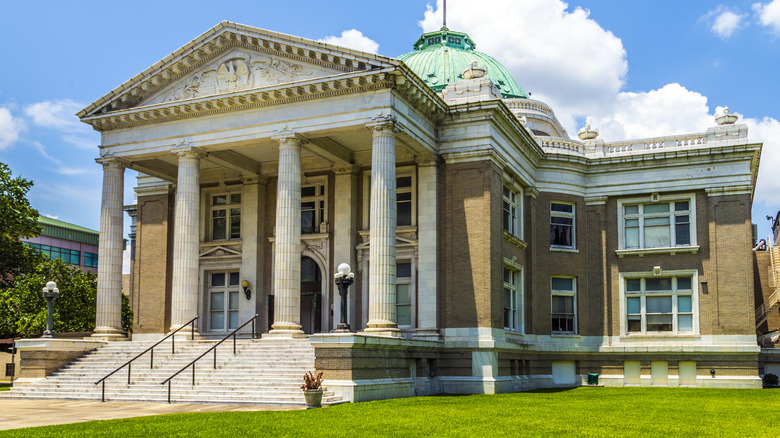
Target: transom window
point(225, 216)
point(403, 293)
point(658, 224)
point(223, 301)
point(561, 225)
point(512, 300)
point(660, 304)
point(564, 305)
point(313, 213)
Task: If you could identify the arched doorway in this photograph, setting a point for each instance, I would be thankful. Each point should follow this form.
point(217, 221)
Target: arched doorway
point(311, 296)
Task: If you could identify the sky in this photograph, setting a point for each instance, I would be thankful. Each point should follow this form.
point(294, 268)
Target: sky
point(632, 69)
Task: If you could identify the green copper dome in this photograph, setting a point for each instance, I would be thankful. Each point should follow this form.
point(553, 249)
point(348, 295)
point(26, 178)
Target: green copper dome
point(440, 57)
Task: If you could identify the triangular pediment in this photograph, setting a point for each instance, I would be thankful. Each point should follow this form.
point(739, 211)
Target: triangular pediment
point(230, 58)
point(221, 251)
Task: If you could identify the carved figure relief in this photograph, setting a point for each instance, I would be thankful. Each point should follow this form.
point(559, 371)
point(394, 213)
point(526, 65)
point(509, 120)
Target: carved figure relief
point(237, 71)
point(233, 75)
point(275, 71)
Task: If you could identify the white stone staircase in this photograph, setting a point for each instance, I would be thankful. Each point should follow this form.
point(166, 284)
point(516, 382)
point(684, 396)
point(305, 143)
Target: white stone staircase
point(262, 372)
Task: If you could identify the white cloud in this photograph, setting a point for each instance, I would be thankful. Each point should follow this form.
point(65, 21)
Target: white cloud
point(563, 57)
point(768, 14)
point(38, 146)
point(767, 131)
point(352, 39)
point(669, 110)
point(724, 21)
point(10, 128)
point(57, 114)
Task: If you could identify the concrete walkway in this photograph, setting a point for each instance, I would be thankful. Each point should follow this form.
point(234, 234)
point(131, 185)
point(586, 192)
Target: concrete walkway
point(15, 414)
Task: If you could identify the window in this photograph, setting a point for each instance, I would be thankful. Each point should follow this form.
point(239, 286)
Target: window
point(223, 301)
point(403, 294)
point(660, 305)
point(564, 305)
point(70, 256)
point(226, 216)
point(511, 211)
point(312, 208)
point(90, 260)
point(512, 317)
point(403, 199)
point(657, 224)
point(561, 225)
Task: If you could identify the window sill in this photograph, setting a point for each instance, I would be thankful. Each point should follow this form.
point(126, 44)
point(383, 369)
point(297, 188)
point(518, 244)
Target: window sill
point(559, 249)
point(641, 252)
point(514, 240)
point(646, 337)
point(565, 335)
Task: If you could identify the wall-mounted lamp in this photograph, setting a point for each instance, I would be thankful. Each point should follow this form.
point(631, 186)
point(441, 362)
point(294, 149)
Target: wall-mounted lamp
point(245, 286)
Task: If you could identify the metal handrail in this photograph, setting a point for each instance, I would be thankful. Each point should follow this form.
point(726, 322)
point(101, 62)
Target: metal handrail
point(213, 347)
point(127, 364)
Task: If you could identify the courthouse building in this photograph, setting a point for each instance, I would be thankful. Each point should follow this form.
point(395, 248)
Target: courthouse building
point(491, 251)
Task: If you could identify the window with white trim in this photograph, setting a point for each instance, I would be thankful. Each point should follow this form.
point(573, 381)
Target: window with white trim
point(562, 225)
point(563, 291)
point(513, 319)
point(225, 214)
point(660, 305)
point(669, 223)
point(313, 207)
point(403, 293)
point(512, 202)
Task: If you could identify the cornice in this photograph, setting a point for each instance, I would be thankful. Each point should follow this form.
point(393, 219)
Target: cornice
point(243, 100)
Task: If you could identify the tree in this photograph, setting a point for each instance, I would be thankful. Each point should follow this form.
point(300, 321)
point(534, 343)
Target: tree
point(23, 308)
point(17, 220)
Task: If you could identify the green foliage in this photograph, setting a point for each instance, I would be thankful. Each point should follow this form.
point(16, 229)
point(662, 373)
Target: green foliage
point(771, 379)
point(588, 412)
point(23, 308)
point(17, 220)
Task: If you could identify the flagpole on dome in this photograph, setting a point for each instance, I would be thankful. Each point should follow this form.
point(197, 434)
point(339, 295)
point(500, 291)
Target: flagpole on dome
point(445, 13)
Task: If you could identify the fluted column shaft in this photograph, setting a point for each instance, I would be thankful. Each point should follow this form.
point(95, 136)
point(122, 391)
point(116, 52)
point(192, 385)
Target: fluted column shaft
point(287, 247)
point(186, 232)
point(382, 267)
point(108, 315)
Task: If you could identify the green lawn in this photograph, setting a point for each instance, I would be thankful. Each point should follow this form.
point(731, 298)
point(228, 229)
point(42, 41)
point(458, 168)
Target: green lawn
point(5, 388)
point(663, 412)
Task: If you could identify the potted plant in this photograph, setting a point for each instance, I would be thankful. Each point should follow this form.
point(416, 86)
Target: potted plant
point(312, 389)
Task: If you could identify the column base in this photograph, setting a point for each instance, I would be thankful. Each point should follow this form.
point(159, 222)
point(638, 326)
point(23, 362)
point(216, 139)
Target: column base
point(186, 332)
point(392, 332)
point(427, 334)
point(285, 334)
point(108, 334)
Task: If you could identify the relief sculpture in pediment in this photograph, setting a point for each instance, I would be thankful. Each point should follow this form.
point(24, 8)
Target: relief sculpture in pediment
point(272, 71)
point(234, 72)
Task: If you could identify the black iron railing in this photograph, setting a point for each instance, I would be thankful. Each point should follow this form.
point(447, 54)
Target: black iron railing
point(129, 365)
point(214, 348)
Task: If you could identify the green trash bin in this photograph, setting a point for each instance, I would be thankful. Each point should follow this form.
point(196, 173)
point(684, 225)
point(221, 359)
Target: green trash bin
point(593, 378)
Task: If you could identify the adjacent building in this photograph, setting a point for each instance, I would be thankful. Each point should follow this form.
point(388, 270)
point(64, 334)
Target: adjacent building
point(491, 251)
point(73, 244)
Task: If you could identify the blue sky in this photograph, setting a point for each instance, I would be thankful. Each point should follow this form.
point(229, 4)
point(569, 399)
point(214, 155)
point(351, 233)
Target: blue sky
point(630, 68)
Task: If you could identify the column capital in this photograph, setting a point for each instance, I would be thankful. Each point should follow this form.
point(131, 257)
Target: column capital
point(345, 169)
point(112, 161)
point(289, 137)
point(383, 124)
point(188, 152)
point(430, 160)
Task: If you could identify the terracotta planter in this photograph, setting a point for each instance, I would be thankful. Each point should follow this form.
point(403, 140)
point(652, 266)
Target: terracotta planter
point(313, 398)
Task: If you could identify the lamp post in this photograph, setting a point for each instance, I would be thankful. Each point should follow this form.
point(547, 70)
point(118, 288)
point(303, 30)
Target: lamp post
point(50, 292)
point(344, 278)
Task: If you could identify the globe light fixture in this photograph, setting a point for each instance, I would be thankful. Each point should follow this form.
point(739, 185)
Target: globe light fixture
point(50, 292)
point(344, 278)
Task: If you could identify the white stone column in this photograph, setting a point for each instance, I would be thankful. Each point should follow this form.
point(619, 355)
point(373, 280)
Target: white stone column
point(287, 246)
point(382, 275)
point(108, 316)
point(427, 210)
point(344, 232)
point(186, 236)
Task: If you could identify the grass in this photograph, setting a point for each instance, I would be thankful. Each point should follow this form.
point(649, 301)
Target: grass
point(4, 388)
point(662, 412)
